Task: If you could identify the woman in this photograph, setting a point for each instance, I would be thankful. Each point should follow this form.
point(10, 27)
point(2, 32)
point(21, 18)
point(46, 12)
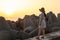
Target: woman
point(42, 22)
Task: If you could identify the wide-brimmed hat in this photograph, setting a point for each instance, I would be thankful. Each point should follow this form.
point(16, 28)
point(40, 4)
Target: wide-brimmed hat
point(42, 9)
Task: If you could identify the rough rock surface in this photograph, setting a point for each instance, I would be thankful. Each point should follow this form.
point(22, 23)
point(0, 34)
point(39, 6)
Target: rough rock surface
point(5, 31)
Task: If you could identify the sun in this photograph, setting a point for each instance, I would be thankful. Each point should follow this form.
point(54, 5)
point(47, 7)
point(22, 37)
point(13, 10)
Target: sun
point(8, 12)
point(11, 6)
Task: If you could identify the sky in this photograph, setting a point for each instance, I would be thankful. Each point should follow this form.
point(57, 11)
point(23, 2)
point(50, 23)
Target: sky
point(14, 9)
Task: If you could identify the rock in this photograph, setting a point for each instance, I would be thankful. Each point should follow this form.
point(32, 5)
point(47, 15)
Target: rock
point(19, 24)
point(58, 38)
point(12, 24)
point(23, 35)
point(58, 17)
point(30, 22)
point(3, 24)
point(17, 39)
point(5, 31)
point(49, 36)
point(51, 17)
point(5, 35)
point(52, 22)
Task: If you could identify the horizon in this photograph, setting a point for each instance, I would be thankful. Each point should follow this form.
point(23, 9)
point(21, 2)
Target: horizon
point(14, 9)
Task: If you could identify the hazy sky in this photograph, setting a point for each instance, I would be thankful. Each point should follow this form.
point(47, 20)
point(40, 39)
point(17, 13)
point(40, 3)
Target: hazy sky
point(12, 9)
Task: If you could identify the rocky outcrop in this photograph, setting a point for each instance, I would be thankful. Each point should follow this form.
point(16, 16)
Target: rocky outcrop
point(58, 19)
point(30, 22)
point(23, 35)
point(3, 24)
point(58, 38)
point(12, 24)
point(28, 25)
point(51, 18)
point(52, 24)
point(19, 24)
point(6, 33)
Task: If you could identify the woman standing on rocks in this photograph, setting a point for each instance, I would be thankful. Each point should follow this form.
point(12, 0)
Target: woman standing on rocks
point(42, 23)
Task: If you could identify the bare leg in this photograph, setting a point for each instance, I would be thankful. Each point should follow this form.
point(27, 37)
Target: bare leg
point(43, 31)
point(39, 32)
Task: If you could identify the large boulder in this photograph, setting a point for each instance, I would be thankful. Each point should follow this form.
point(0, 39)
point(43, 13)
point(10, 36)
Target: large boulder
point(6, 33)
point(12, 24)
point(52, 24)
point(51, 18)
point(23, 35)
point(3, 24)
point(58, 38)
point(30, 22)
point(19, 24)
point(58, 19)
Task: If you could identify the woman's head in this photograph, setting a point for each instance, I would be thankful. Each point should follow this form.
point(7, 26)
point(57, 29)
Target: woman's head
point(42, 10)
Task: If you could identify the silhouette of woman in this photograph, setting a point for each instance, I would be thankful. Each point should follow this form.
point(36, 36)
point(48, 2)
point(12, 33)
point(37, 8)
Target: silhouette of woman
point(42, 22)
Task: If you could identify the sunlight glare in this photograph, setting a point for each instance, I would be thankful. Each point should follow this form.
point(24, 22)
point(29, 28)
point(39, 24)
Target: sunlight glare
point(8, 12)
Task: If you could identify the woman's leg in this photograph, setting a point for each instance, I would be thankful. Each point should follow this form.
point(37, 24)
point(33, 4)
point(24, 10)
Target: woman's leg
point(39, 32)
point(43, 31)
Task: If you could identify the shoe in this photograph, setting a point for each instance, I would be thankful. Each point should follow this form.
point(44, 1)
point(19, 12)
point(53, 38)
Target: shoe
point(38, 38)
point(42, 37)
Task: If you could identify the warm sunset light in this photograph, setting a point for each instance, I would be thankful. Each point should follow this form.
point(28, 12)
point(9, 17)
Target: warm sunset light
point(8, 12)
point(20, 8)
point(12, 5)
